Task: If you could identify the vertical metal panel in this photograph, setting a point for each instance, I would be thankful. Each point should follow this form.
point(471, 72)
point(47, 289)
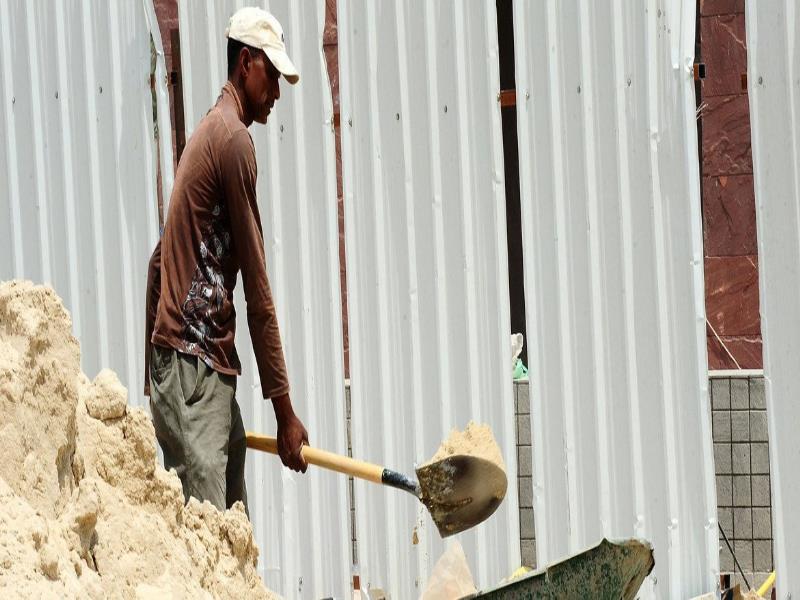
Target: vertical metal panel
point(426, 268)
point(301, 521)
point(773, 29)
point(614, 283)
point(78, 207)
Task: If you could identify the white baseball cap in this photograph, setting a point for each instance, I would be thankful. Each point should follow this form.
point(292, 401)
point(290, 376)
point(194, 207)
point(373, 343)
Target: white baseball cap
point(257, 28)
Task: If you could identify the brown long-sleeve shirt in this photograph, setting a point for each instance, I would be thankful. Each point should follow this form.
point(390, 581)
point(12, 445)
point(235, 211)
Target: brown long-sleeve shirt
point(213, 231)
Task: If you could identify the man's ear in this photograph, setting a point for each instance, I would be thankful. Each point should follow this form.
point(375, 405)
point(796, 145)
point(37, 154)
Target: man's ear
point(244, 59)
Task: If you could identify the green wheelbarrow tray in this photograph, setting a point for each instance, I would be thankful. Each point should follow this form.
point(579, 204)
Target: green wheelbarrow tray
point(611, 570)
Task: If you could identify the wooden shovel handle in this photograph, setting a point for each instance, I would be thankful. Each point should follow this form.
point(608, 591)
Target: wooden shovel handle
point(321, 458)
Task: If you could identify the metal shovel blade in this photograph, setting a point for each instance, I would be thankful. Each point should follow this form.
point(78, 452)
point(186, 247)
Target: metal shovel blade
point(461, 491)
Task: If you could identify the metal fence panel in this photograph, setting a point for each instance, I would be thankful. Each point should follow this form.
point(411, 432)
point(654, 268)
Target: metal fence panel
point(773, 29)
point(78, 204)
point(426, 268)
point(301, 521)
point(614, 283)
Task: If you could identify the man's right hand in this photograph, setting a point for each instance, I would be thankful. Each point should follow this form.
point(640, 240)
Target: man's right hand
point(292, 434)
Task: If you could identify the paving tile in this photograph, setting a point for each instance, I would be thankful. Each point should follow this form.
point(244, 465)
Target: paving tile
point(523, 397)
point(759, 457)
point(742, 523)
point(720, 393)
point(528, 548)
point(740, 394)
point(758, 397)
point(744, 554)
point(725, 559)
point(740, 426)
point(725, 517)
point(741, 458)
point(722, 458)
point(724, 490)
point(762, 526)
point(524, 461)
point(523, 430)
point(758, 426)
point(741, 490)
point(526, 525)
point(761, 491)
point(762, 557)
point(721, 425)
point(525, 492)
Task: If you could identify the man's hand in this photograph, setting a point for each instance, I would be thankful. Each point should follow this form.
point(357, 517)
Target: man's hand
point(292, 435)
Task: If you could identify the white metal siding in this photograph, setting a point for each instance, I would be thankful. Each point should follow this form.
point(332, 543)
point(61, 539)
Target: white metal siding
point(78, 206)
point(614, 283)
point(301, 521)
point(426, 268)
point(773, 33)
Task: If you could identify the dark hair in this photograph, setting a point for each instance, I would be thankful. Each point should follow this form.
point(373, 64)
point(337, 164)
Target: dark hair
point(234, 48)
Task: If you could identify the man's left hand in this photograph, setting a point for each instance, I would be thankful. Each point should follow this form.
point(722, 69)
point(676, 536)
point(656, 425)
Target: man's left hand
point(292, 434)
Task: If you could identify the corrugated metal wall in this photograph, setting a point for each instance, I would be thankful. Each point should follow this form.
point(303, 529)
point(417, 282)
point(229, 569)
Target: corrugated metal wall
point(614, 283)
point(301, 521)
point(78, 207)
point(773, 31)
point(426, 267)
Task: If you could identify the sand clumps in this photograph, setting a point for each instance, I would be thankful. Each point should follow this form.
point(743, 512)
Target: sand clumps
point(476, 440)
point(86, 511)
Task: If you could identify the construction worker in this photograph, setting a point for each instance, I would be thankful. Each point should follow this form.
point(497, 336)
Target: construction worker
point(212, 232)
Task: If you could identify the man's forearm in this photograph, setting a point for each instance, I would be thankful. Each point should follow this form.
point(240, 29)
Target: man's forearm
point(283, 407)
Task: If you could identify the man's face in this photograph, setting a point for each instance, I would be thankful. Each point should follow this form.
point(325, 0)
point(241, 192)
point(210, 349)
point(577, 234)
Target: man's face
point(261, 86)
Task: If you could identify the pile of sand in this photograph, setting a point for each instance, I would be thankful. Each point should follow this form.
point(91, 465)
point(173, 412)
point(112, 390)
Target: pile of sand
point(86, 511)
point(476, 440)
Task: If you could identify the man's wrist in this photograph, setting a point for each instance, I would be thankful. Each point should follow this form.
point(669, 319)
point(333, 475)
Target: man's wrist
point(282, 405)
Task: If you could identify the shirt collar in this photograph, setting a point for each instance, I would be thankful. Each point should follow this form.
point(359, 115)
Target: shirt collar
point(229, 90)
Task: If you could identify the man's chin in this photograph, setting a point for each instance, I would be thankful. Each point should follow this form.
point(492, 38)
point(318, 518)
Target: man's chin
point(262, 117)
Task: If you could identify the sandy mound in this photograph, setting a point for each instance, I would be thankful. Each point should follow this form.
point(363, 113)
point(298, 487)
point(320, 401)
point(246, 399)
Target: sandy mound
point(475, 440)
point(86, 511)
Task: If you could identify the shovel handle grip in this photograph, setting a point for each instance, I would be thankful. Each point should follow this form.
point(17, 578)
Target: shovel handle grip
point(321, 458)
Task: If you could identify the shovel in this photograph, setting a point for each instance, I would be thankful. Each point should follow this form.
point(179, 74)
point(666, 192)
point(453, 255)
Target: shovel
point(459, 491)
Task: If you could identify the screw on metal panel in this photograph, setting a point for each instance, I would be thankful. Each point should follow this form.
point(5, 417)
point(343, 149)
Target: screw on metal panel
point(579, 89)
point(56, 95)
point(760, 80)
point(629, 82)
point(498, 96)
point(101, 89)
point(350, 121)
point(13, 99)
point(397, 116)
point(281, 128)
point(445, 108)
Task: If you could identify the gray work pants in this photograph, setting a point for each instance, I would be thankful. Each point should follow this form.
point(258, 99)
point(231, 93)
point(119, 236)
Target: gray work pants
point(198, 426)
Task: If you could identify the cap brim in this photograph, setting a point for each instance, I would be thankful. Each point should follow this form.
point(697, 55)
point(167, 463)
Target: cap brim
point(284, 64)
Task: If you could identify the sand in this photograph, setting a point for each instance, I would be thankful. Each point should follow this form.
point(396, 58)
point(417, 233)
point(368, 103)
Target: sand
point(86, 511)
point(475, 440)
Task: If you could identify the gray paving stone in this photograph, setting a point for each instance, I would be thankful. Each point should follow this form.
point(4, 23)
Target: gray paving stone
point(725, 517)
point(720, 393)
point(759, 457)
point(524, 461)
point(762, 526)
point(527, 529)
point(725, 559)
point(761, 490)
point(724, 491)
point(721, 425)
point(528, 548)
point(744, 553)
point(740, 393)
point(722, 458)
point(741, 490)
point(758, 426)
point(742, 523)
point(526, 492)
point(523, 397)
point(762, 557)
point(740, 426)
point(524, 430)
point(758, 397)
point(741, 458)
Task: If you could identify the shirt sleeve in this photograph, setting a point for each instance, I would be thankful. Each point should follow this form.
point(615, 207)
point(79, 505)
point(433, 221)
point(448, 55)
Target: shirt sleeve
point(152, 296)
point(238, 171)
